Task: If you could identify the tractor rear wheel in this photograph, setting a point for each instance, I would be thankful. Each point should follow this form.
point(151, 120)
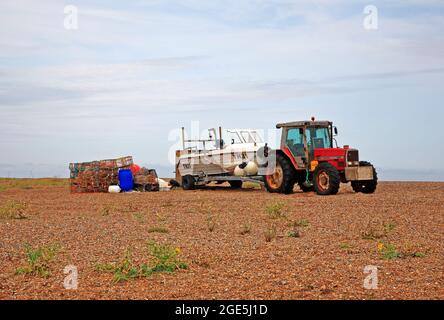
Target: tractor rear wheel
point(235, 184)
point(367, 186)
point(283, 178)
point(188, 182)
point(326, 179)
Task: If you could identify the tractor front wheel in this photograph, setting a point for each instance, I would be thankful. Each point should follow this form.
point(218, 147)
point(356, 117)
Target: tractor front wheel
point(366, 186)
point(326, 179)
point(283, 178)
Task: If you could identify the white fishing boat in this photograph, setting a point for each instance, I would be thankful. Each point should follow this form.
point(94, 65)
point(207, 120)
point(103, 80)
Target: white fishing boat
point(226, 153)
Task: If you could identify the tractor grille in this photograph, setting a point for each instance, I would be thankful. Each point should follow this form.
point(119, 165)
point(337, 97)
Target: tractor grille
point(353, 156)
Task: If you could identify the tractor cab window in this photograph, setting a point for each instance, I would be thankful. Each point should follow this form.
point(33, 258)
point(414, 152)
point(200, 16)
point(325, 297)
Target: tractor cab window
point(318, 138)
point(295, 141)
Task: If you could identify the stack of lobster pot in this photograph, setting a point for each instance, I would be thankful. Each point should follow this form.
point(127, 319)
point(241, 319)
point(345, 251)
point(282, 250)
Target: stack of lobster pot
point(97, 176)
point(146, 180)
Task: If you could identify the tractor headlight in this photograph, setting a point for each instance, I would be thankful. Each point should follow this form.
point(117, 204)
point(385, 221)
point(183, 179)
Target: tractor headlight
point(352, 157)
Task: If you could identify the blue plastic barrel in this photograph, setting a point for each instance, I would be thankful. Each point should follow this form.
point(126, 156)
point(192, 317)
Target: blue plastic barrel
point(126, 181)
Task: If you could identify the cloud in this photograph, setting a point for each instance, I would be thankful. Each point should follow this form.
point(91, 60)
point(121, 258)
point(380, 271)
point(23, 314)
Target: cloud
point(22, 94)
point(388, 75)
point(321, 52)
point(327, 85)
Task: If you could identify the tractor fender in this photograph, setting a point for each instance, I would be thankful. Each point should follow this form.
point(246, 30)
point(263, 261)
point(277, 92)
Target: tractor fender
point(270, 162)
point(287, 153)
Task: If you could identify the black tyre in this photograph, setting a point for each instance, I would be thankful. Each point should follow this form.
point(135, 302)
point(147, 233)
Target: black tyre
point(283, 178)
point(235, 184)
point(367, 186)
point(326, 179)
point(188, 182)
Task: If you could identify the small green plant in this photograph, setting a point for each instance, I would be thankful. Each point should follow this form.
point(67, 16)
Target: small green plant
point(106, 210)
point(275, 210)
point(413, 251)
point(301, 223)
point(160, 217)
point(389, 227)
point(158, 230)
point(389, 252)
point(13, 210)
point(245, 229)
point(139, 216)
point(378, 232)
point(165, 258)
point(294, 234)
point(104, 267)
point(167, 204)
point(418, 254)
point(345, 246)
point(162, 258)
point(38, 260)
point(372, 234)
point(270, 233)
point(126, 270)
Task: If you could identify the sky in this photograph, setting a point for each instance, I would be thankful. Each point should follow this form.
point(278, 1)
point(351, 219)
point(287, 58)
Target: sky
point(130, 73)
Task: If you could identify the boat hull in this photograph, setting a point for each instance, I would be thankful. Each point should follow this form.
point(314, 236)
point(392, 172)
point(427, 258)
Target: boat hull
point(215, 162)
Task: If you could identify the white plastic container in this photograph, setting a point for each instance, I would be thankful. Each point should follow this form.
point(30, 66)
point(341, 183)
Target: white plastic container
point(114, 189)
point(163, 185)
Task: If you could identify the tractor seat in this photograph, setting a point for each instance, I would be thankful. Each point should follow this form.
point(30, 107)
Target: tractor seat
point(297, 149)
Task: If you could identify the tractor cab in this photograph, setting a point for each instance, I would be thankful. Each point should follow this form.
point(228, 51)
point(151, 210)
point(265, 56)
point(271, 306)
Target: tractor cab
point(302, 138)
point(308, 157)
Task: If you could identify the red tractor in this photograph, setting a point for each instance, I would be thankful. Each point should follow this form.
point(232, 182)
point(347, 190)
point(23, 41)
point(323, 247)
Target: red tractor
point(307, 157)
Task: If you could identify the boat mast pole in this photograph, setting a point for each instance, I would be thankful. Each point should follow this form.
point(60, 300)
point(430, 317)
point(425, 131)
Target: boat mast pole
point(220, 138)
point(183, 138)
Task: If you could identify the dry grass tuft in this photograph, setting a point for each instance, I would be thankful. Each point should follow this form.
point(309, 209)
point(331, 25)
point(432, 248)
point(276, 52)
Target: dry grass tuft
point(270, 232)
point(13, 210)
point(275, 209)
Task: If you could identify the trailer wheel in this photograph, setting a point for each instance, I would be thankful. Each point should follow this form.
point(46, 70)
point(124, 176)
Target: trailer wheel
point(235, 184)
point(188, 182)
point(326, 179)
point(283, 178)
point(367, 186)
